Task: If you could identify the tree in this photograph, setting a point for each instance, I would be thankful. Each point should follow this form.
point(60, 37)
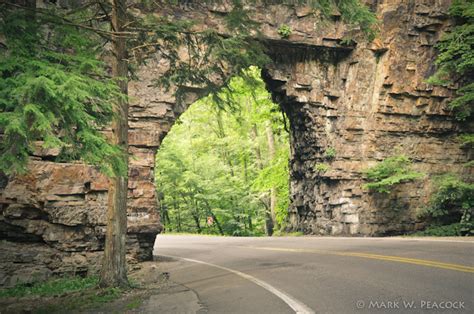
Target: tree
point(54, 90)
point(210, 156)
point(114, 267)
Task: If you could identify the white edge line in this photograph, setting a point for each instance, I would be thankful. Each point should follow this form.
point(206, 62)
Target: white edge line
point(294, 304)
point(419, 239)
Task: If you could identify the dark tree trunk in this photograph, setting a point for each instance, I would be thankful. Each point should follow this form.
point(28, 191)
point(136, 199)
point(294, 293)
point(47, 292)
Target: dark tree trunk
point(271, 151)
point(114, 268)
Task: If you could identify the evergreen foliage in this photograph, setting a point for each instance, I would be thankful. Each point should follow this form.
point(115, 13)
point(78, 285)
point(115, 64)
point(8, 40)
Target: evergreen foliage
point(391, 171)
point(456, 58)
point(453, 198)
point(53, 89)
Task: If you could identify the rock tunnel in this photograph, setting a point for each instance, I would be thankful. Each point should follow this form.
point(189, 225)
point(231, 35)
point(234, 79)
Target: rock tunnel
point(366, 100)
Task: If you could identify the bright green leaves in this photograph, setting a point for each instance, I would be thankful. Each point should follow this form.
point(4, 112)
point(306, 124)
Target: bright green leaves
point(216, 161)
point(284, 31)
point(456, 58)
point(276, 175)
point(52, 89)
point(389, 172)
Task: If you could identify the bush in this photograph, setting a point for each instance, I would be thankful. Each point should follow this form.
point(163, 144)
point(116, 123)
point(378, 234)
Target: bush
point(451, 230)
point(453, 202)
point(284, 31)
point(389, 172)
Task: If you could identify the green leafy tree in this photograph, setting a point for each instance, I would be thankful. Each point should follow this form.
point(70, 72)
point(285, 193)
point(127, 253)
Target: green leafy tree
point(453, 203)
point(217, 163)
point(389, 172)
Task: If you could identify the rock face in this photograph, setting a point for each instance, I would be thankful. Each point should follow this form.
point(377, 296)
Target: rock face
point(367, 104)
point(365, 101)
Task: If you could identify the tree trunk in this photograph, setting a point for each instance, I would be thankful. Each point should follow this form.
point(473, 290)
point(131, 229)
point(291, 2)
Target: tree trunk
point(219, 227)
point(258, 155)
point(271, 151)
point(114, 268)
point(178, 213)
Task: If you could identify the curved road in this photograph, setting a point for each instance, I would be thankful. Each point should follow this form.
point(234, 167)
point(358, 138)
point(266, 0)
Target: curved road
point(321, 274)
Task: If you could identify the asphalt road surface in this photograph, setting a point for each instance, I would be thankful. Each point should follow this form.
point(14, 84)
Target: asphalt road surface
point(321, 274)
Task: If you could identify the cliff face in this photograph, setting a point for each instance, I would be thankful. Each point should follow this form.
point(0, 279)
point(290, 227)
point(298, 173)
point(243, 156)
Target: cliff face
point(365, 101)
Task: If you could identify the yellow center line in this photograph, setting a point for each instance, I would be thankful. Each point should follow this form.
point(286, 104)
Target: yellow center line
point(399, 259)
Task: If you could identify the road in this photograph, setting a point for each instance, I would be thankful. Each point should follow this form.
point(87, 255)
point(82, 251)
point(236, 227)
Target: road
point(321, 274)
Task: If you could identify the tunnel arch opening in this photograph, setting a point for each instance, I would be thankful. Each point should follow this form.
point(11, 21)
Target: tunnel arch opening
point(223, 167)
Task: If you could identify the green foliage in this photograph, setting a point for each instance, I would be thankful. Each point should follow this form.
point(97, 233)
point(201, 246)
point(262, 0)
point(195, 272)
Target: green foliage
point(51, 287)
point(346, 41)
point(321, 167)
point(456, 58)
point(284, 30)
point(53, 89)
point(452, 230)
point(330, 153)
point(276, 175)
point(467, 140)
point(353, 12)
point(389, 172)
point(452, 202)
point(279, 233)
point(227, 56)
point(216, 162)
point(136, 303)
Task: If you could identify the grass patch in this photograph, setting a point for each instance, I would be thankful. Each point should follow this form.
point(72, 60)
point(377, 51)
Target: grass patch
point(134, 304)
point(52, 287)
point(61, 295)
point(192, 234)
point(279, 233)
point(76, 301)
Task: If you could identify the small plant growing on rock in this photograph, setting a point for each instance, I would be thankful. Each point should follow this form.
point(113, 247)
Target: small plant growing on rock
point(346, 41)
point(321, 167)
point(330, 153)
point(284, 30)
point(389, 172)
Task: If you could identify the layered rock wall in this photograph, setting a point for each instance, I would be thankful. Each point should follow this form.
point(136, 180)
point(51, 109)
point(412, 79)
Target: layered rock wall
point(365, 101)
point(367, 104)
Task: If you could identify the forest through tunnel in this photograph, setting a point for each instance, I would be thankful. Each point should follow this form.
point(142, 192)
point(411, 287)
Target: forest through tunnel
point(223, 167)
